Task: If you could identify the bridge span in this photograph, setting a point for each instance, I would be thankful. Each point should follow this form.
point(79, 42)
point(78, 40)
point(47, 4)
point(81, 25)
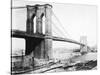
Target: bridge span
point(23, 34)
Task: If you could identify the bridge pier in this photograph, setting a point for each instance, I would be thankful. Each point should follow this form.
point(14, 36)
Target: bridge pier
point(39, 51)
point(83, 49)
point(42, 47)
point(30, 29)
point(48, 31)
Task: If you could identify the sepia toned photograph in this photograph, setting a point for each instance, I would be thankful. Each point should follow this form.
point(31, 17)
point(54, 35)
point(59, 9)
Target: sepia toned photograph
point(52, 37)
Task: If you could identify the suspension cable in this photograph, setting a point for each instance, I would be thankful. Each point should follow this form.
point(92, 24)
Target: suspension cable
point(60, 23)
point(56, 27)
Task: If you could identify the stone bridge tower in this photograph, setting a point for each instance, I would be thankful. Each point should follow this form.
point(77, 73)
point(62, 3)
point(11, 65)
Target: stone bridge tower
point(42, 48)
point(83, 49)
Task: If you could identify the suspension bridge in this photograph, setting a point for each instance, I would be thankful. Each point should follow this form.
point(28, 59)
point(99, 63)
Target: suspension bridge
point(38, 42)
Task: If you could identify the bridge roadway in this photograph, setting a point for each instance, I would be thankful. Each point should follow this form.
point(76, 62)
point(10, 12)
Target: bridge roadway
point(23, 34)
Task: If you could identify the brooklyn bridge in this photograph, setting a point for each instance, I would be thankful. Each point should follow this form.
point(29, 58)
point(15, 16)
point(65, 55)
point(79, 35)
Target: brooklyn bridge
point(39, 43)
point(43, 42)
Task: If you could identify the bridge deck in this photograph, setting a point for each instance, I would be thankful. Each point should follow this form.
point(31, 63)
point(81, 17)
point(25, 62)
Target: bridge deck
point(23, 34)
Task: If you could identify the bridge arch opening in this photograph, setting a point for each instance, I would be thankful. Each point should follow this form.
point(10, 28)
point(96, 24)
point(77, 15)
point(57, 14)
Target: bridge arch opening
point(34, 28)
point(43, 24)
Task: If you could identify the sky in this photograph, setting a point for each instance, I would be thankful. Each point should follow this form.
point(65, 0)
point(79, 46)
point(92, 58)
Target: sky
point(76, 20)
